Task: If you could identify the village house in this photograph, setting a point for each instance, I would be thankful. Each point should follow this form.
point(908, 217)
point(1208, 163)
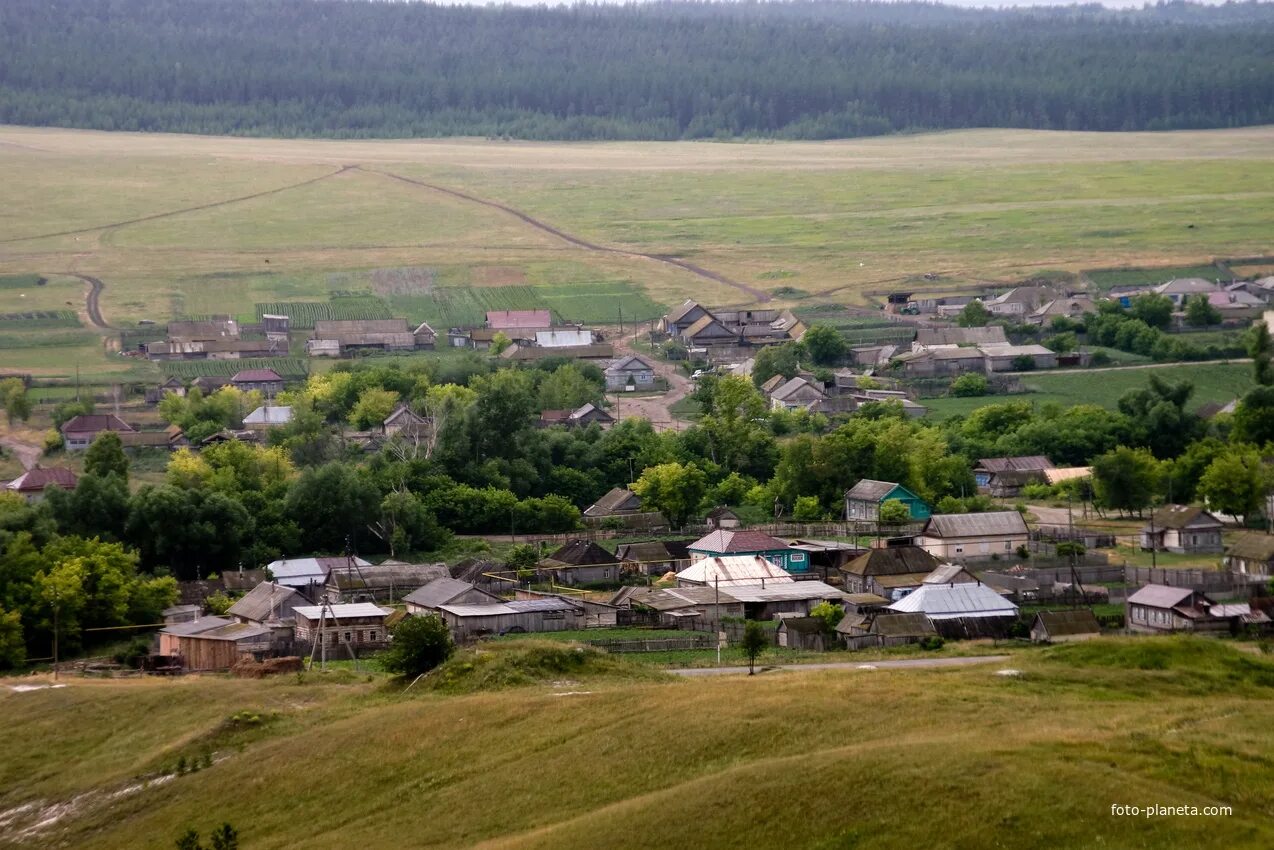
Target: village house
point(927, 338)
point(938, 362)
point(772, 599)
point(750, 542)
point(268, 602)
point(308, 575)
point(629, 372)
point(406, 422)
point(1014, 358)
point(214, 349)
point(1156, 608)
point(726, 571)
point(985, 470)
point(348, 335)
point(721, 518)
point(1064, 626)
point(32, 484)
point(962, 537)
point(359, 625)
point(429, 598)
point(1020, 301)
point(1181, 288)
point(524, 321)
point(619, 501)
point(208, 384)
point(267, 417)
point(80, 431)
point(564, 338)
point(797, 393)
point(676, 322)
point(883, 628)
point(654, 557)
point(385, 582)
point(582, 562)
point(961, 609)
point(677, 607)
point(1251, 554)
point(1183, 529)
point(528, 353)
point(169, 439)
point(238, 581)
point(212, 644)
point(1074, 307)
point(863, 500)
point(521, 616)
point(888, 571)
point(173, 385)
point(265, 381)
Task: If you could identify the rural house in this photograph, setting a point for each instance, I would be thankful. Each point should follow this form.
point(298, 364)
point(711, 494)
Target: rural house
point(945, 337)
point(547, 614)
point(1183, 529)
point(619, 501)
point(211, 644)
point(884, 570)
point(863, 500)
point(960, 537)
point(32, 484)
point(654, 557)
point(960, 610)
point(1156, 608)
point(582, 562)
point(631, 371)
point(1013, 358)
point(883, 628)
point(742, 541)
point(308, 575)
point(1179, 289)
point(430, 598)
point(797, 394)
point(407, 422)
point(268, 602)
point(385, 582)
point(80, 431)
point(267, 417)
point(265, 381)
point(772, 599)
point(677, 607)
point(1074, 307)
point(563, 338)
point(719, 571)
point(676, 322)
point(721, 518)
point(1064, 626)
point(358, 625)
point(1251, 554)
point(987, 468)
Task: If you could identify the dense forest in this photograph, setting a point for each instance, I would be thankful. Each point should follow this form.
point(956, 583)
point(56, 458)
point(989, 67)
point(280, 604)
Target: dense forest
point(807, 70)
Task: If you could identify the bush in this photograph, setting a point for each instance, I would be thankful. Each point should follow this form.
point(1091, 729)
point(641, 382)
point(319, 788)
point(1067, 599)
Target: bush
point(1099, 358)
point(929, 643)
point(138, 647)
point(419, 645)
point(969, 386)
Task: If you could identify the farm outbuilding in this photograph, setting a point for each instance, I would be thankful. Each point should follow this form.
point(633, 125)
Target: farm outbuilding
point(963, 610)
point(429, 598)
point(213, 643)
point(802, 633)
point(1064, 626)
point(550, 614)
point(358, 625)
point(883, 628)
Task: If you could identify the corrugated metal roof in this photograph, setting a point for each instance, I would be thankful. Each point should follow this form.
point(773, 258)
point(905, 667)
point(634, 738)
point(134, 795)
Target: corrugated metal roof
point(265, 600)
point(318, 567)
point(341, 612)
point(952, 601)
point(194, 627)
point(948, 573)
point(440, 591)
point(795, 591)
point(868, 490)
point(1160, 596)
point(527, 606)
point(726, 541)
point(274, 415)
point(994, 523)
point(563, 337)
point(734, 569)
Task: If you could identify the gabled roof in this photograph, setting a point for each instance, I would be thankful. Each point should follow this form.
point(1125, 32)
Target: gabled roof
point(794, 385)
point(424, 329)
point(731, 570)
point(868, 490)
point(617, 499)
point(92, 423)
point(788, 591)
point(653, 551)
point(949, 574)
point(679, 313)
point(564, 337)
point(953, 601)
point(519, 319)
point(721, 512)
point(265, 601)
point(1006, 464)
point(994, 523)
point(316, 568)
point(802, 625)
point(1160, 596)
point(384, 576)
point(1185, 285)
point(441, 591)
point(960, 336)
point(1183, 516)
point(889, 624)
point(407, 414)
point(271, 415)
point(772, 383)
point(341, 612)
point(580, 553)
point(631, 363)
point(588, 409)
point(675, 598)
point(1078, 622)
point(256, 376)
point(895, 560)
point(704, 323)
point(194, 627)
point(1252, 546)
point(737, 540)
point(35, 480)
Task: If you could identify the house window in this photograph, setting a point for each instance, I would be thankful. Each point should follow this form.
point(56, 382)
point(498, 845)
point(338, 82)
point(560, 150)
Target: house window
point(371, 636)
point(606, 573)
point(347, 637)
point(796, 557)
point(1008, 545)
point(959, 549)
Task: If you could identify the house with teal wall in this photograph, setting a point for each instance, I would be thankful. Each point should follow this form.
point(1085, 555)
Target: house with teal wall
point(743, 541)
point(863, 501)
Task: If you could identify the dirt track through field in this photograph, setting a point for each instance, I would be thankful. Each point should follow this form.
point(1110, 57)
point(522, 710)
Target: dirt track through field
point(155, 216)
point(93, 299)
point(698, 271)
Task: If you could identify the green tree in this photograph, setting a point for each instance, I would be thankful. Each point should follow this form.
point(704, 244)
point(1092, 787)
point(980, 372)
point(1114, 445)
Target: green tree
point(1126, 479)
point(331, 503)
point(105, 456)
point(1261, 348)
point(407, 524)
point(830, 614)
point(567, 388)
point(1236, 482)
point(672, 489)
point(521, 557)
point(1200, 313)
point(825, 344)
point(372, 408)
point(974, 315)
point(419, 644)
point(1153, 309)
point(96, 507)
point(1062, 343)
point(894, 512)
point(499, 342)
point(14, 400)
point(807, 509)
point(775, 360)
point(755, 640)
point(969, 385)
point(13, 650)
point(1253, 419)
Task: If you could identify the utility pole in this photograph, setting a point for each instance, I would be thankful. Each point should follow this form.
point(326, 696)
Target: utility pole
point(56, 604)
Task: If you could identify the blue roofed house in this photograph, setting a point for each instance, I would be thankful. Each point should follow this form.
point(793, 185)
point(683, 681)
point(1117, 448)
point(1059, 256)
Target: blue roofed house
point(742, 541)
point(863, 500)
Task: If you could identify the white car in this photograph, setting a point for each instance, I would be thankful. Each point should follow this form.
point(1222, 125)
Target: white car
point(698, 373)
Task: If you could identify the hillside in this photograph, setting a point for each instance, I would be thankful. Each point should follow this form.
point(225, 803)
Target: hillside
point(962, 758)
point(806, 70)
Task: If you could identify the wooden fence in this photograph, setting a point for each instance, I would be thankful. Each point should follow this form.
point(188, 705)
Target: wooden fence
point(655, 644)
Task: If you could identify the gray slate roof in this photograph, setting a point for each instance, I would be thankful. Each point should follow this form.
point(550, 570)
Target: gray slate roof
point(868, 490)
point(438, 592)
point(994, 523)
point(1160, 596)
point(1078, 622)
point(258, 603)
point(1183, 516)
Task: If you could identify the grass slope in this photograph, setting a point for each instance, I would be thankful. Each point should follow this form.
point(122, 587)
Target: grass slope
point(960, 758)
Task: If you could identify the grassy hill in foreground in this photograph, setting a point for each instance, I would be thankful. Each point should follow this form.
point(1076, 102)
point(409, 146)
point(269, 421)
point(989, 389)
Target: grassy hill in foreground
point(954, 758)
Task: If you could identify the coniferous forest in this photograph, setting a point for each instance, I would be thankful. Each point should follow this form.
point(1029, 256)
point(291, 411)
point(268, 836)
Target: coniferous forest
point(808, 69)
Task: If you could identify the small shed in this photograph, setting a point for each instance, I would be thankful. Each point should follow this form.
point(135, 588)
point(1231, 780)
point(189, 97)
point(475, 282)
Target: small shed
point(720, 518)
point(1064, 626)
point(387, 582)
point(429, 598)
point(550, 614)
point(884, 628)
point(802, 633)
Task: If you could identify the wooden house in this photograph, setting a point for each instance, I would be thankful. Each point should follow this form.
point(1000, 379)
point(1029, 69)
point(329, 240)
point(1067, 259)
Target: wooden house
point(265, 381)
point(883, 628)
point(1064, 626)
point(521, 616)
point(654, 557)
point(619, 501)
point(353, 335)
point(1156, 608)
point(268, 602)
point(1251, 554)
point(385, 582)
point(985, 470)
point(429, 598)
point(797, 393)
point(961, 537)
point(905, 567)
point(771, 600)
point(407, 422)
point(721, 518)
point(582, 562)
point(35, 482)
point(211, 644)
point(676, 322)
point(630, 371)
point(742, 541)
point(79, 432)
point(267, 417)
point(802, 633)
point(359, 625)
point(863, 501)
point(960, 610)
point(1183, 529)
point(677, 607)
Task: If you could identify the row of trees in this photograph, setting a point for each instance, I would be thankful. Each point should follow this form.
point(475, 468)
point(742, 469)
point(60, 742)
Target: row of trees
point(796, 70)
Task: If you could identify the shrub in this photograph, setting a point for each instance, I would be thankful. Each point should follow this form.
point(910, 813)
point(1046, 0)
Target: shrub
point(969, 386)
point(929, 643)
point(1099, 358)
point(419, 645)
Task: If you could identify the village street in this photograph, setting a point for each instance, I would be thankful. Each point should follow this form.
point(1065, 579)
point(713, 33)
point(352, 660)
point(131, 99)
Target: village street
point(654, 408)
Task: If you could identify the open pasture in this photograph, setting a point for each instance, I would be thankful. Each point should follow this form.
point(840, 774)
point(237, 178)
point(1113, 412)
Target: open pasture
point(185, 225)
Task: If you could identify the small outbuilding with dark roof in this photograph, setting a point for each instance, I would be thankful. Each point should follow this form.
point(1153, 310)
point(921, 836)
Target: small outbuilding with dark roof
point(430, 598)
point(1065, 626)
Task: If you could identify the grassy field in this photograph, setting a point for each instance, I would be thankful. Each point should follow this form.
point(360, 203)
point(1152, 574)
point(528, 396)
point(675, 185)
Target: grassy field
point(184, 225)
point(608, 755)
point(1213, 382)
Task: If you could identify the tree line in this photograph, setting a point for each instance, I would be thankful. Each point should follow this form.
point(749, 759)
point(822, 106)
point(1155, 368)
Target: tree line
point(802, 70)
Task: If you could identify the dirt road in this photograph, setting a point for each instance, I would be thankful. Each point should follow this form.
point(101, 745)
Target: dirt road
point(654, 408)
point(26, 453)
point(917, 664)
point(93, 299)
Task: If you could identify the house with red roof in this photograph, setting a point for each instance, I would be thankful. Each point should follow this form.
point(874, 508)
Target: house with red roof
point(519, 320)
point(746, 541)
point(32, 484)
point(78, 433)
